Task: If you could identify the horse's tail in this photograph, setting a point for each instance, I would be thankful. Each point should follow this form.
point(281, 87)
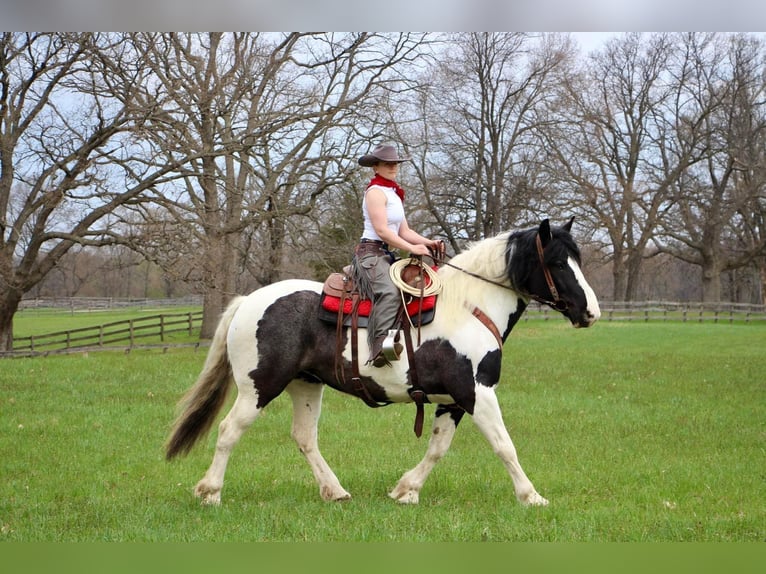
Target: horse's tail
point(203, 401)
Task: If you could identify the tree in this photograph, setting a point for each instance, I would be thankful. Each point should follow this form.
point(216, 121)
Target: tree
point(270, 118)
point(481, 111)
point(67, 161)
point(618, 151)
point(717, 218)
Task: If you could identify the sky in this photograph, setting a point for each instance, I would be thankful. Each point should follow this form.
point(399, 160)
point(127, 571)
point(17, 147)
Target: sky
point(349, 15)
point(591, 40)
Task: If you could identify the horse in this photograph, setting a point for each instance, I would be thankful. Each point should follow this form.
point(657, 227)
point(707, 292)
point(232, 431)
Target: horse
point(273, 341)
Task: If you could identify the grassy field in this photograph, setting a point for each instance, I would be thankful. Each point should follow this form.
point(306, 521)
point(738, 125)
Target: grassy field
point(634, 432)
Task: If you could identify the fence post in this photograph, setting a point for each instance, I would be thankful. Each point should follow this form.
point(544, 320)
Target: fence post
point(162, 328)
point(130, 327)
point(191, 325)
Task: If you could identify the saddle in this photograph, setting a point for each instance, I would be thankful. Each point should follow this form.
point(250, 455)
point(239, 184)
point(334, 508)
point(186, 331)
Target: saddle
point(344, 305)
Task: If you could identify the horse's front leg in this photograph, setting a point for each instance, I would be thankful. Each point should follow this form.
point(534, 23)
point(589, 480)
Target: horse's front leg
point(407, 490)
point(307, 406)
point(489, 419)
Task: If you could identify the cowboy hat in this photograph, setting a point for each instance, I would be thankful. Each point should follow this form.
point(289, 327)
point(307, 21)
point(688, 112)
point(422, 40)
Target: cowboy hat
point(386, 153)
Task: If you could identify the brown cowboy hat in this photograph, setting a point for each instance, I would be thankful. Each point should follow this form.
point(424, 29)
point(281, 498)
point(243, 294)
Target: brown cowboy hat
point(381, 153)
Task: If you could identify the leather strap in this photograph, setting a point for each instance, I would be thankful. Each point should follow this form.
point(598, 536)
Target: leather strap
point(489, 324)
point(359, 387)
point(416, 392)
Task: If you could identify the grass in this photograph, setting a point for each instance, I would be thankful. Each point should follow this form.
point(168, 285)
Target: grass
point(634, 432)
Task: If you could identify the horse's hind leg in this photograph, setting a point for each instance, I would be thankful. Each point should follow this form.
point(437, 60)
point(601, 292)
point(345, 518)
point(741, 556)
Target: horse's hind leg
point(489, 419)
point(407, 490)
point(307, 406)
point(232, 427)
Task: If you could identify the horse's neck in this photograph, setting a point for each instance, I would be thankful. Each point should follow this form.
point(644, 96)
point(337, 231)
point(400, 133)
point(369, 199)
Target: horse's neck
point(465, 287)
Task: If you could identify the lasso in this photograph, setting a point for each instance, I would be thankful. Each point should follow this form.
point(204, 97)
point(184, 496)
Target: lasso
point(433, 284)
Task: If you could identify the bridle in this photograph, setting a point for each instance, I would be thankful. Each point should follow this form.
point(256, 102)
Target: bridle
point(555, 302)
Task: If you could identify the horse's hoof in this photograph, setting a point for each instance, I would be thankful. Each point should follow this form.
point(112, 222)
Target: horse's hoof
point(334, 495)
point(408, 497)
point(208, 496)
point(211, 500)
point(535, 499)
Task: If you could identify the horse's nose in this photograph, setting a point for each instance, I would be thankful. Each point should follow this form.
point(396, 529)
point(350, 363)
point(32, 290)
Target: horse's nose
point(591, 317)
point(587, 319)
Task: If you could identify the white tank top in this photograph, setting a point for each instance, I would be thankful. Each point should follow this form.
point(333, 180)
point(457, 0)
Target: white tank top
point(394, 213)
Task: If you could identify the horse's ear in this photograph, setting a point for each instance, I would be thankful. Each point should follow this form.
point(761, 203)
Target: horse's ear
point(568, 225)
point(545, 232)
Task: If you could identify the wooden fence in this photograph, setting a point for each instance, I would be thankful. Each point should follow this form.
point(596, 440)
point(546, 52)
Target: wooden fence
point(665, 311)
point(126, 334)
point(133, 333)
point(85, 304)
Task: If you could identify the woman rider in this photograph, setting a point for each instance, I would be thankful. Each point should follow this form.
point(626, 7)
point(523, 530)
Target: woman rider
point(385, 228)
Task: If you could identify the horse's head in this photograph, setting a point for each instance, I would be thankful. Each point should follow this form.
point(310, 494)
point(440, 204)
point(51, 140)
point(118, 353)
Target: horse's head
point(545, 265)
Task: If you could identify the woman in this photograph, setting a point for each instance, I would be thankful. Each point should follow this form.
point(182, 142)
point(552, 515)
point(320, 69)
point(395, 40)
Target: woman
point(385, 228)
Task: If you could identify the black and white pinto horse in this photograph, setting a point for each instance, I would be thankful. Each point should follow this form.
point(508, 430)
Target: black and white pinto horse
point(273, 341)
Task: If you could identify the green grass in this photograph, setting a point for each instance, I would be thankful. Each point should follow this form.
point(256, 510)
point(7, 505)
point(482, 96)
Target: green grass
point(634, 432)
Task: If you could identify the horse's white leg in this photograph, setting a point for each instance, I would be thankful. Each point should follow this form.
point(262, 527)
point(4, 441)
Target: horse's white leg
point(489, 419)
point(307, 406)
point(407, 490)
point(240, 417)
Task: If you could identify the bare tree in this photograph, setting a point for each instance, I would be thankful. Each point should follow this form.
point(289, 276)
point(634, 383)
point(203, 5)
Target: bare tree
point(270, 118)
point(68, 161)
point(482, 103)
point(618, 152)
point(717, 218)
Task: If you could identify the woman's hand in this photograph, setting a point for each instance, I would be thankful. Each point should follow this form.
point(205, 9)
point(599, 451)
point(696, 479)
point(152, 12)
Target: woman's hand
point(420, 249)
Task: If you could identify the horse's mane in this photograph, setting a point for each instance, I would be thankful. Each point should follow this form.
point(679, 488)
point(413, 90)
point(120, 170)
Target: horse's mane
point(485, 258)
point(507, 258)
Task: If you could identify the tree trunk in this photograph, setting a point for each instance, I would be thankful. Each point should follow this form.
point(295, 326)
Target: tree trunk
point(635, 262)
point(9, 304)
point(213, 304)
point(711, 283)
point(219, 288)
point(619, 276)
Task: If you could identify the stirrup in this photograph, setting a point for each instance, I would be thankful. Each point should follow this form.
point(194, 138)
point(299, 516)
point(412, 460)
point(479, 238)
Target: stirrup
point(392, 349)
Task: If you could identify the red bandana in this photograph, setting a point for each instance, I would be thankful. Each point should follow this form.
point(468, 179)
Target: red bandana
point(384, 182)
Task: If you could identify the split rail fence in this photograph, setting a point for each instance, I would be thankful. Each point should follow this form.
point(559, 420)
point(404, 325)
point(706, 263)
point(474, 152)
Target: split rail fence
point(665, 311)
point(127, 334)
point(154, 331)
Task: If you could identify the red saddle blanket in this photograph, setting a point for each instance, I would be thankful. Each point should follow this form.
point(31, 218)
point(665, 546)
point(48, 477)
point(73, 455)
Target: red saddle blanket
point(332, 303)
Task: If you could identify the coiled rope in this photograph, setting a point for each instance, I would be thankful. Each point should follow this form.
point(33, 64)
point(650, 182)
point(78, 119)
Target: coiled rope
point(433, 284)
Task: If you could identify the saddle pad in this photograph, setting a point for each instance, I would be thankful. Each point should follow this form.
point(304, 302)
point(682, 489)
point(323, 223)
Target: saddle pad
point(330, 303)
point(328, 311)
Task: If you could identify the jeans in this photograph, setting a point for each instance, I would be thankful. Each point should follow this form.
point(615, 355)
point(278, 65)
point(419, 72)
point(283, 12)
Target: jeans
point(371, 265)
